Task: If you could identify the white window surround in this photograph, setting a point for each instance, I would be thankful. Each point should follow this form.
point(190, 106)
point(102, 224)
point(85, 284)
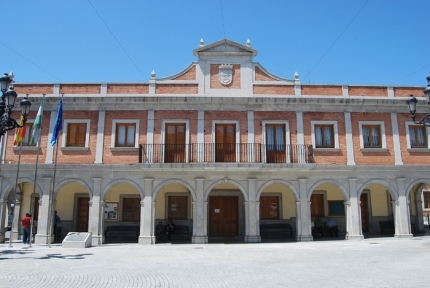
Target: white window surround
point(287, 136)
point(408, 139)
point(187, 134)
point(64, 134)
point(381, 125)
point(335, 135)
point(136, 136)
point(27, 135)
point(236, 122)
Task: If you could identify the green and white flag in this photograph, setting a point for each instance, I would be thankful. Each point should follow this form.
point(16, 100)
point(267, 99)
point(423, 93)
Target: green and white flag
point(37, 125)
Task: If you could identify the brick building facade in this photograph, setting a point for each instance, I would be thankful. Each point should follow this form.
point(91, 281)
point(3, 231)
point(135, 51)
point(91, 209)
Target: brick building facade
point(222, 147)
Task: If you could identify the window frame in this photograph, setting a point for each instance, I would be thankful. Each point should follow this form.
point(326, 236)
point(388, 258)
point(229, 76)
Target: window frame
point(279, 196)
point(335, 136)
point(66, 123)
point(187, 135)
point(383, 139)
point(25, 146)
point(286, 125)
point(121, 205)
point(237, 136)
point(136, 122)
point(426, 148)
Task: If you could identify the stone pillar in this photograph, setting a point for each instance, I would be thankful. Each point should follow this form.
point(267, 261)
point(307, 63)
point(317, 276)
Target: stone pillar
point(420, 213)
point(349, 142)
point(303, 208)
point(42, 222)
point(200, 135)
point(251, 233)
point(147, 215)
point(16, 224)
point(353, 213)
point(401, 212)
point(199, 215)
point(95, 221)
point(3, 207)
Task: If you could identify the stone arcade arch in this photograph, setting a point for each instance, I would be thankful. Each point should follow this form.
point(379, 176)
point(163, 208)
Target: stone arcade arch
point(227, 203)
point(26, 202)
point(122, 207)
point(328, 199)
point(276, 203)
point(414, 194)
point(173, 199)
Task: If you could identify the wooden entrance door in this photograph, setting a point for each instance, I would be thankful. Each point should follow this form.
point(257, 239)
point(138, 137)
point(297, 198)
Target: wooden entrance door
point(364, 212)
point(174, 151)
point(224, 218)
point(83, 212)
point(225, 142)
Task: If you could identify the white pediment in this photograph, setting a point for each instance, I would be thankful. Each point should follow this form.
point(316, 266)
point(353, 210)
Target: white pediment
point(225, 47)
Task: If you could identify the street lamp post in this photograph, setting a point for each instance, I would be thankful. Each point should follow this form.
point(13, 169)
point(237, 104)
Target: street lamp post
point(412, 102)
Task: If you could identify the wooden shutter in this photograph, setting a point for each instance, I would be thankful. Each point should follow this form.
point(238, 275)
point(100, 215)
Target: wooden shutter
point(178, 207)
point(131, 209)
point(269, 207)
point(76, 134)
point(317, 205)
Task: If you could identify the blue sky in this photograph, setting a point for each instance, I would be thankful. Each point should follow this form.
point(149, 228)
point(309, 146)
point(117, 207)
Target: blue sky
point(368, 42)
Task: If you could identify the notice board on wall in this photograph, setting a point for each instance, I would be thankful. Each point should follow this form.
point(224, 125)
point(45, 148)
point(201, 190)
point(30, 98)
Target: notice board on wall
point(336, 208)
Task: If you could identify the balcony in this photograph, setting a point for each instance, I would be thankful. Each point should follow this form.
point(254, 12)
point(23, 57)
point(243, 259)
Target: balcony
point(226, 153)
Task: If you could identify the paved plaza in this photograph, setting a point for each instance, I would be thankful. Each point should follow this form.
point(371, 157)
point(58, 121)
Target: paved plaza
point(377, 262)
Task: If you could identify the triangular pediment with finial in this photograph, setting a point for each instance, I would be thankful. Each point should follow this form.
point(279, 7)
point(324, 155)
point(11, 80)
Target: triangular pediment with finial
point(225, 47)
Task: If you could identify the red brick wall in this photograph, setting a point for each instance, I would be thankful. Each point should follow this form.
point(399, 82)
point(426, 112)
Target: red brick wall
point(321, 90)
point(240, 116)
point(327, 158)
point(406, 91)
point(127, 89)
point(176, 89)
point(367, 91)
point(34, 89)
point(80, 89)
point(261, 76)
point(161, 115)
point(215, 84)
point(372, 158)
point(123, 157)
point(274, 89)
point(260, 116)
point(410, 158)
point(189, 75)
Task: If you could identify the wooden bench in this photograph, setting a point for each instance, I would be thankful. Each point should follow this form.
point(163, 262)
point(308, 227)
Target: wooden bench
point(127, 231)
point(387, 227)
point(276, 230)
point(180, 232)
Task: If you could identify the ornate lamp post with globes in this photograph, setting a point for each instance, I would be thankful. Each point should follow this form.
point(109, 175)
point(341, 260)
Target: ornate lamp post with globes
point(412, 102)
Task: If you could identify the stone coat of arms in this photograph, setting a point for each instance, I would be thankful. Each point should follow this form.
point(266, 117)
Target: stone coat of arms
point(225, 74)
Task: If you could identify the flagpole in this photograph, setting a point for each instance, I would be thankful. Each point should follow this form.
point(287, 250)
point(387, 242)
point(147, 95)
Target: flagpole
point(14, 200)
point(57, 129)
point(35, 174)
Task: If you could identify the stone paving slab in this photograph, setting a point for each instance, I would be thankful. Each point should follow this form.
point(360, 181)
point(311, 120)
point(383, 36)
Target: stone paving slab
point(377, 262)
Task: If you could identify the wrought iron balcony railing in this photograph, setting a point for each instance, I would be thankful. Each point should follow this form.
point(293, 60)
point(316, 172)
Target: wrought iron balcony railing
point(225, 152)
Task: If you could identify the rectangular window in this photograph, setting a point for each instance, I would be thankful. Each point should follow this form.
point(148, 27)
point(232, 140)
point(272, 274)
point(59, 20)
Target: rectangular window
point(371, 136)
point(269, 207)
point(131, 209)
point(177, 207)
point(225, 142)
point(125, 135)
point(28, 130)
point(417, 136)
point(324, 136)
point(317, 205)
point(175, 143)
point(336, 208)
point(76, 134)
point(426, 200)
point(275, 143)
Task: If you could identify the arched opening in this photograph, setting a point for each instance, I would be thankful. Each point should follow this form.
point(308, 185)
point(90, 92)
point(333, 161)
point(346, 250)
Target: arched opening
point(72, 207)
point(226, 214)
point(277, 214)
point(419, 207)
point(173, 202)
point(122, 214)
point(377, 214)
point(328, 212)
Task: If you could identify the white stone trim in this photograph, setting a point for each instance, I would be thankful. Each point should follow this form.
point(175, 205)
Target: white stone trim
point(136, 136)
point(396, 140)
point(335, 135)
point(300, 135)
point(100, 137)
point(349, 141)
point(381, 124)
point(408, 137)
point(64, 134)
